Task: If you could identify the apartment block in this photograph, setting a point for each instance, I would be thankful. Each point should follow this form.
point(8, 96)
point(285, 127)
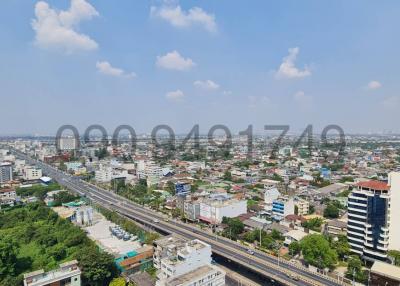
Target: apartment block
point(303, 207)
point(373, 208)
point(183, 263)
point(6, 172)
point(281, 207)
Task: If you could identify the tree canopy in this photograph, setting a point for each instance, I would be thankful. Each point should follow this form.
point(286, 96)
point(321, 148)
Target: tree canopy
point(34, 237)
point(317, 251)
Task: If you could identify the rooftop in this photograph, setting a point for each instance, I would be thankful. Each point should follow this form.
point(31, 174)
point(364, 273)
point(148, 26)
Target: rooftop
point(375, 185)
point(190, 276)
point(387, 270)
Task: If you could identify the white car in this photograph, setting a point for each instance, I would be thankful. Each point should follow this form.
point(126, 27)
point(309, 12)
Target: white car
point(249, 251)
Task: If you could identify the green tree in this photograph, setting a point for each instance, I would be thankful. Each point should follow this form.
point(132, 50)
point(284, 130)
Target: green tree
point(227, 176)
point(235, 227)
point(98, 267)
point(354, 269)
point(170, 187)
point(331, 211)
point(294, 248)
point(64, 197)
point(341, 246)
point(313, 224)
point(317, 251)
point(8, 258)
point(118, 282)
point(395, 255)
point(150, 237)
point(176, 212)
point(276, 235)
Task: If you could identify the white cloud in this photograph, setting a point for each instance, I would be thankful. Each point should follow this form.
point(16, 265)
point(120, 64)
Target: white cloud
point(374, 84)
point(287, 69)
point(175, 95)
point(206, 85)
point(227, 92)
point(182, 19)
point(392, 102)
point(58, 29)
point(303, 100)
point(174, 61)
point(106, 68)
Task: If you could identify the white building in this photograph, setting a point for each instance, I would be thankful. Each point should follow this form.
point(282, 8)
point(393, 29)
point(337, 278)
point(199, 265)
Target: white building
point(31, 173)
point(7, 193)
point(217, 206)
point(282, 207)
point(207, 275)
point(67, 143)
point(303, 207)
point(184, 263)
point(104, 174)
point(271, 193)
point(19, 165)
point(373, 211)
point(178, 257)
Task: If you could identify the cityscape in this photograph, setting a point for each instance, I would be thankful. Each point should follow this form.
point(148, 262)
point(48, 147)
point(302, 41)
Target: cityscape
point(234, 144)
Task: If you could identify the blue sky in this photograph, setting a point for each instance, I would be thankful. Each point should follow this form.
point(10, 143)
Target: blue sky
point(145, 63)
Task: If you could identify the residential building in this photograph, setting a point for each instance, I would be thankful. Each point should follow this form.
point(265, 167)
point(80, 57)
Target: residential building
point(282, 207)
point(183, 263)
point(178, 257)
point(336, 227)
point(7, 193)
point(67, 274)
point(207, 275)
point(271, 193)
point(384, 274)
point(303, 207)
point(6, 172)
point(294, 235)
point(67, 143)
point(373, 207)
point(31, 173)
point(217, 206)
point(104, 174)
point(191, 209)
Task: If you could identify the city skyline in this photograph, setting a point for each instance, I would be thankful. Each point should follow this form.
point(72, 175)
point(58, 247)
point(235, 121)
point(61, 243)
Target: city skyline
point(186, 63)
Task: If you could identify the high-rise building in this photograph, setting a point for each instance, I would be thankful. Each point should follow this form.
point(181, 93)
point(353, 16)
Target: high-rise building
point(67, 143)
point(373, 207)
point(6, 172)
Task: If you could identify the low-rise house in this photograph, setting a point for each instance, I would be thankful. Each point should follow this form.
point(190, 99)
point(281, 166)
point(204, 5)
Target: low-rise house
point(336, 227)
point(67, 274)
point(294, 235)
point(384, 274)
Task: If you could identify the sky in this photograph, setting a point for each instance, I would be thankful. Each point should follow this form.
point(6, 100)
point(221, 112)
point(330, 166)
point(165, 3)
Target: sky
point(145, 63)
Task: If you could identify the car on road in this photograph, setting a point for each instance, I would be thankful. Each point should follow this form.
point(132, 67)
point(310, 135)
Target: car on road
point(294, 277)
point(250, 251)
point(156, 221)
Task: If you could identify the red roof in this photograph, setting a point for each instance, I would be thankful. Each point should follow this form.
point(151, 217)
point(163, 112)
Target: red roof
point(375, 185)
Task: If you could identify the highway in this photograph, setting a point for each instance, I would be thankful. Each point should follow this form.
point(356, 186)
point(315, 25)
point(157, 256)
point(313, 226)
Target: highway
point(272, 267)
